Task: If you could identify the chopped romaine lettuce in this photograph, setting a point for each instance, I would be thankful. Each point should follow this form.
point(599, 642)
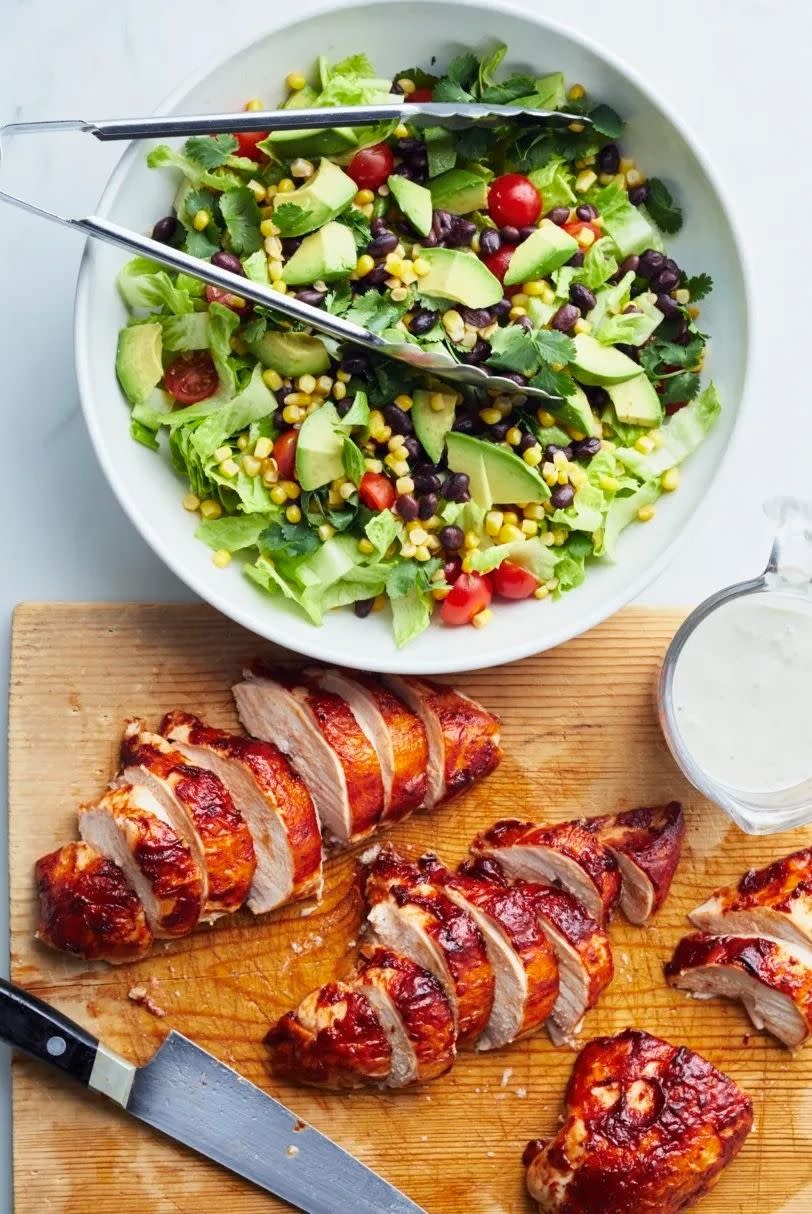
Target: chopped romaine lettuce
point(555, 181)
point(144, 286)
point(680, 436)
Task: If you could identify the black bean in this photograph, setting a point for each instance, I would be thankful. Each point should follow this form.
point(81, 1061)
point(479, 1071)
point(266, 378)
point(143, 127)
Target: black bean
point(527, 441)
point(443, 220)
point(632, 262)
point(461, 233)
point(464, 424)
point(565, 318)
point(478, 353)
point(290, 244)
point(577, 259)
point(455, 488)
point(412, 447)
point(406, 506)
point(582, 297)
point(552, 449)
point(452, 538)
point(668, 307)
point(562, 496)
point(558, 215)
point(498, 431)
point(355, 364)
point(631, 352)
point(379, 246)
point(684, 338)
point(650, 263)
point(227, 261)
point(363, 607)
point(422, 320)
point(424, 468)
point(638, 195)
point(397, 419)
point(165, 229)
point(452, 568)
point(665, 281)
point(510, 235)
point(527, 231)
point(478, 317)
point(586, 212)
point(586, 448)
point(310, 295)
point(283, 393)
point(670, 264)
point(501, 308)
point(342, 406)
point(524, 322)
point(489, 242)
point(376, 277)
point(407, 147)
point(521, 380)
point(404, 169)
point(428, 505)
point(597, 397)
point(378, 225)
point(425, 482)
point(395, 87)
point(609, 158)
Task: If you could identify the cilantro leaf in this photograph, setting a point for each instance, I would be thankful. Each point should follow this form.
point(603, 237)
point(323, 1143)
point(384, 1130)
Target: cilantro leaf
point(210, 151)
point(463, 69)
point(557, 383)
point(700, 285)
point(449, 90)
point(338, 298)
point(423, 79)
point(316, 508)
point(606, 121)
point(289, 218)
point(241, 214)
point(552, 346)
point(512, 349)
point(473, 144)
point(197, 200)
point(354, 219)
point(666, 213)
point(375, 312)
point(682, 386)
point(254, 328)
point(197, 244)
point(659, 353)
point(288, 539)
point(352, 458)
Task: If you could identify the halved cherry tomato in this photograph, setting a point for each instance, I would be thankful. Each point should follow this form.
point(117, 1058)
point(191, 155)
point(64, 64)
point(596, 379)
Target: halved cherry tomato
point(247, 144)
point(376, 491)
point(418, 95)
point(370, 167)
point(191, 377)
point(511, 581)
point(576, 227)
point(513, 201)
point(218, 295)
point(470, 594)
point(499, 261)
point(284, 452)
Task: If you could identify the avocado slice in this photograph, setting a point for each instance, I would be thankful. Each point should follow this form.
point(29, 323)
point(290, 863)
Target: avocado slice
point(327, 255)
point(548, 248)
point(601, 365)
point(432, 425)
point(287, 145)
point(506, 477)
point(292, 354)
point(461, 277)
point(138, 360)
point(459, 191)
point(414, 201)
point(319, 448)
point(575, 412)
point(636, 402)
point(321, 198)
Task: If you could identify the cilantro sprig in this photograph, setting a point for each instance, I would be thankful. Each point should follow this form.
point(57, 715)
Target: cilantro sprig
point(666, 213)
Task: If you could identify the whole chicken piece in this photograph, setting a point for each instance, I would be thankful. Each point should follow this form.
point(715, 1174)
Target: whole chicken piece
point(647, 844)
point(648, 1129)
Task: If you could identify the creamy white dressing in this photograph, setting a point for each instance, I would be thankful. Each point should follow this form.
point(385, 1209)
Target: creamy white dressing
point(742, 693)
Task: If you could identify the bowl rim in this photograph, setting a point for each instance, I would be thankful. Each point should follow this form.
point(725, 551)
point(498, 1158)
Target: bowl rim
point(321, 648)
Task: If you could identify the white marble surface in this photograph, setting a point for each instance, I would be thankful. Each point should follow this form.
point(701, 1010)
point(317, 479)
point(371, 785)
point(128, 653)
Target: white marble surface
point(736, 69)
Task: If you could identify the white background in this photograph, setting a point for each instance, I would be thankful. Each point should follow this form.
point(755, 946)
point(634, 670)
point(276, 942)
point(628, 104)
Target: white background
point(738, 72)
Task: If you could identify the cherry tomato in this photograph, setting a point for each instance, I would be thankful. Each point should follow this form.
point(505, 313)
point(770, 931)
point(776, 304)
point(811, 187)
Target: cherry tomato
point(370, 167)
point(511, 581)
point(670, 410)
point(247, 144)
point(576, 228)
point(499, 261)
point(284, 452)
point(191, 377)
point(513, 201)
point(470, 594)
point(218, 295)
point(376, 491)
point(418, 95)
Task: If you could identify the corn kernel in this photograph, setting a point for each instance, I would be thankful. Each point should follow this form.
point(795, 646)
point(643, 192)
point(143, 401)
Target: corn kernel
point(364, 265)
point(292, 490)
point(516, 313)
point(346, 490)
point(222, 453)
point(258, 190)
point(529, 527)
point(422, 553)
point(585, 181)
point(295, 81)
point(251, 465)
point(326, 531)
point(440, 401)
point(644, 445)
point(399, 294)
point(534, 511)
point(191, 502)
point(453, 324)
point(533, 288)
point(373, 465)
point(300, 399)
point(210, 509)
point(440, 594)
point(421, 267)
point(366, 546)
point(482, 618)
point(278, 495)
point(560, 536)
point(471, 540)
point(682, 296)
point(221, 558)
point(576, 92)
point(669, 481)
point(293, 414)
point(275, 268)
point(363, 197)
point(582, 326)
point(280, 286)
point(548, 294)
point(490, 416)
point(493, 523)
point(273, 380)
point(532, 456)
point(404, 484)
point(541, 592)
point(229, 467)
point(510, 534)
point(253, 106)
point(268, 228)
point(339, 390)
point(520, 300)
point(406, 86)
point(575, 127)
point(404, 402)
point(545, 418)
point(606, 178)
point(645, 514)
point(397, 440)
point(634, 177)
point(408, 549)
point(285, 186)
point(547, 538)
point(609, 484)
point(511, 517)
point(306, 384)
point(401, 131)
point(585, 237)
point(293, 514)
point(270, 472)
point(201, 220)
point(407, 275)
point(379, 602)
point(301, 167)
point(513, 436)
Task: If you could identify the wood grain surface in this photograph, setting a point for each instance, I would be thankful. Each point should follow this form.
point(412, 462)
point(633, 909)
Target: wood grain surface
point(581, 736)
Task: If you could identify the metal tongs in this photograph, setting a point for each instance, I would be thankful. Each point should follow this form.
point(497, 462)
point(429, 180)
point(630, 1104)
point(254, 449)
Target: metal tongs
point(448, 115)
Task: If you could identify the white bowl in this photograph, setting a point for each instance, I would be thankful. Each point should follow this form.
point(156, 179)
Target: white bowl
point(396, 36)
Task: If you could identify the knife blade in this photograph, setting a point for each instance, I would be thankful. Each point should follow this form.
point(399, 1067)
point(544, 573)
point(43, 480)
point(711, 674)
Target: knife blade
point(192, 1097)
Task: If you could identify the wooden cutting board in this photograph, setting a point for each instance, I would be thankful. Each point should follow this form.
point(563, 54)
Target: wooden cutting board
point(581, 736)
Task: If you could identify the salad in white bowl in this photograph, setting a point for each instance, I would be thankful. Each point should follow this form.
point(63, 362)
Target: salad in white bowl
point(341, 480)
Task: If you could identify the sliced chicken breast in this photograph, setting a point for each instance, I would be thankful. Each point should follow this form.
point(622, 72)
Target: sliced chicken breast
point(523, 962)
point(318, 732)
point(772, 901)
point(565, 853)
point(647, 844)
point(273, 800)
point(415, 1012)
point(88, 908)
point(463, 737)
point(648, 1128)
point(397, 734)
point(197, 802)
point(334, 1039)
point(411, 916)
point(129, 826)
point(771, 978)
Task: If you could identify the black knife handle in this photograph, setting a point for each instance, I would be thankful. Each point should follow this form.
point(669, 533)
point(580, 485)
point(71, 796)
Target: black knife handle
point(44, 1033)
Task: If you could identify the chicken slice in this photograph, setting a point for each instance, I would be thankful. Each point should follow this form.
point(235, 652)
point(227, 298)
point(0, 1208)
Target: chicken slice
point(583, 950)
point(397, 734)
point(272, 799)
point(566, 853)
point(415, 1012)
point(409, 915)
point(771, 978)
point(334, 1039)
point(648, 1129)
point(523, 962)
point(647, 844)
point(129, 826)
point(463, 737)
point(87, 907)
point(318, 732)
point(197, 802)
point(772, 901)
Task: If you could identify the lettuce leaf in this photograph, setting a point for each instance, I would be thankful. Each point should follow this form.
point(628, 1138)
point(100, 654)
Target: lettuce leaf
point(145, 286)
point(555, 182)
point(234, 532)
point(411, 615)
point(254, 402)
point(681, 435)
point(188, 332)
point(531, 554)
point(622, 512)
point(222, 323)
point(586, 512)
point(599, 264)
point(631, 328)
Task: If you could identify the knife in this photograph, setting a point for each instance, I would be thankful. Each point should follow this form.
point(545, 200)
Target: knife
point(197, 1100)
